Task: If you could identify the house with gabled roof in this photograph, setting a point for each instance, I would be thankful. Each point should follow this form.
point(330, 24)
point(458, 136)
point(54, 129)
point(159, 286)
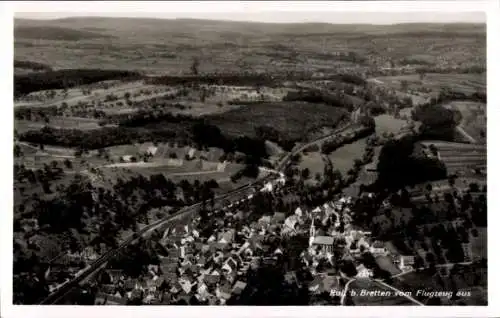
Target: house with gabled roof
point(115, 274)
point(363, 272)
point(107, 288)
point(166, 268)
point(106, 299)
point(129, 284)
point(186, 284)
point(378, 248)
point(223, 291)
point(202, 291)
point(230, 265)
point(291, 222)
point(298, 212)
point(176, 288)
point(226, 237)
point(211, 280)
point(278, 217)
point(265, 220)
point(239, 287)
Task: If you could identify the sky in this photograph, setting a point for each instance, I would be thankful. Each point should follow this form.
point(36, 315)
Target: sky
point(269, 11)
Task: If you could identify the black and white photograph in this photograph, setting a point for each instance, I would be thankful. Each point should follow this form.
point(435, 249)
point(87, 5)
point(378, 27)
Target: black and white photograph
point(248, 158)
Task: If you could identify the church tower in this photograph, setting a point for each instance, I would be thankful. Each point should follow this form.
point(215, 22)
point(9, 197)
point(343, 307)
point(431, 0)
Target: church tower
point(312, 233)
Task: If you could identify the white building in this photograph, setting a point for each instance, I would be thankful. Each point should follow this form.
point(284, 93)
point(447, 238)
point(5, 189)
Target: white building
point(363, 272)
point(299, 212)
point(406, 262)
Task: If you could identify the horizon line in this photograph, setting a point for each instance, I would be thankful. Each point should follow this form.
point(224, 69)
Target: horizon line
point(235, 20)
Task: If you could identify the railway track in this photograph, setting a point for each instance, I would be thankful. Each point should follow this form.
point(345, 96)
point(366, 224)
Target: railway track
point(64, 289)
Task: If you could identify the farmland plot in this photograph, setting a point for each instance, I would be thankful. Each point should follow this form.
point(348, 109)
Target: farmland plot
point(466, 83)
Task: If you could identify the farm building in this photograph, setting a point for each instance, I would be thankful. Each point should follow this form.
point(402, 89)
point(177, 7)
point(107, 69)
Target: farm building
point(152, 150)
point(127, 158)
point(191, 153)
point(371, 167)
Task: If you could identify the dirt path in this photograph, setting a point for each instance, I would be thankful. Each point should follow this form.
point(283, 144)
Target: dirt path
point(44, 152)
point(401, 293)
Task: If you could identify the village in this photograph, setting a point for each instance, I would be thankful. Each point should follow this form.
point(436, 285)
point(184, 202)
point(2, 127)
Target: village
point(211, 268)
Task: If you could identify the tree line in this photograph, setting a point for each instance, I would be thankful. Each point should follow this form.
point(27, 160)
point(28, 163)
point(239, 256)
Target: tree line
point(61, 79)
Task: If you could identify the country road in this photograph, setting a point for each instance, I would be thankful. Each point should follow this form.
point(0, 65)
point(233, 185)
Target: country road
point(400, 292)
point(45, 153)
point(61, 292)
point(344, 292)
point(466, 134)
point(437, 266)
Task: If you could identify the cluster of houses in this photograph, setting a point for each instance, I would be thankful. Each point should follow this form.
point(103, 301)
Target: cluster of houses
point(69, 264)
point(332, 239)
point(211, 268)
point(199, 269)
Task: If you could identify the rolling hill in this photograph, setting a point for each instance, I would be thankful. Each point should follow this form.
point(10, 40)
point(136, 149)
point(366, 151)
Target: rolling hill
point(54, 33)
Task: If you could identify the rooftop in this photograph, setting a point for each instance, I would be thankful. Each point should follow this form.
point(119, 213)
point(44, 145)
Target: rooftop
point(323, 240)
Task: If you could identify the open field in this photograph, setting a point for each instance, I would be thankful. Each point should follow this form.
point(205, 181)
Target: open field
point(314, 162)
point(460, 157)
point(388, 124)
point(343, 158)
point(58, 122)
point(294, 120)
point(466, 83)
point(98, 93)
point(177, 174)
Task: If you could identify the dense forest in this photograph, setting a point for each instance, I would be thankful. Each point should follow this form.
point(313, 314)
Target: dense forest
point(399, 167)
point(317, 96)
point(32, 65)
point(199, 132)
point(95, 139)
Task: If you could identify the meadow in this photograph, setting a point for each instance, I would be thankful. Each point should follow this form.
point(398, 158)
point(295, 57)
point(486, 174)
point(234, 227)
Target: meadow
point(466, 83)
point(58, 122)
